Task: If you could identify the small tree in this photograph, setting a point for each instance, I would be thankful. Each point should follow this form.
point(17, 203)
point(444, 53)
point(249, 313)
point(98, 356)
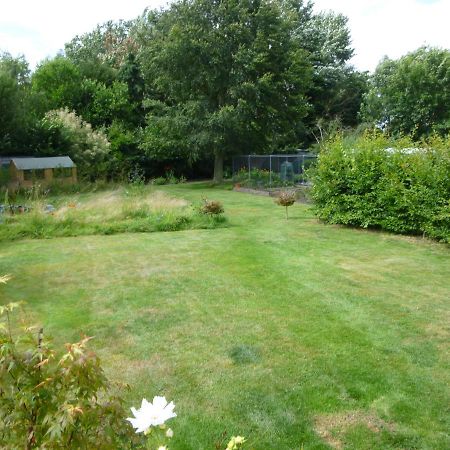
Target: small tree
point(286, 199)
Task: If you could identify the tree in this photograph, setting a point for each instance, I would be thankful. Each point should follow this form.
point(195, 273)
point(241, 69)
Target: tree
point(109, 43)
point(337, 89)
point(14, 96)
point(59, 81)
point(102, 104)
point(17, 68)
point(411, 94)
point(228, 76)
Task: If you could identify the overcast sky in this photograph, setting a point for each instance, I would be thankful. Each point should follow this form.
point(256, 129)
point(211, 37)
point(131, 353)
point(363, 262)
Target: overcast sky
point(39, 28)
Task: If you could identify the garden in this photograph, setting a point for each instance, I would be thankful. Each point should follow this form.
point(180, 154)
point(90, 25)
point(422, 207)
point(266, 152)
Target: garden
point(40, 213)
point(144, 307)
point(264, 332)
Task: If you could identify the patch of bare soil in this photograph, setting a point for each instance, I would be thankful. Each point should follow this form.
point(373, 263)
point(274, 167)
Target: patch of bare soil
point(332, 427)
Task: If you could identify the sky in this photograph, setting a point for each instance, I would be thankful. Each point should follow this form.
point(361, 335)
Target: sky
point(40, 28)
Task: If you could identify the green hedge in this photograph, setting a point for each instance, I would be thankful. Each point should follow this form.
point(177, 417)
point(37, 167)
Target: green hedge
point(395, 185)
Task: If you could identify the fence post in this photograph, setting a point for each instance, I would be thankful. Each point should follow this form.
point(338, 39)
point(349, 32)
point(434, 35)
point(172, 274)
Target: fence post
point(249, 174)
point(270, 170)
point(303, 169)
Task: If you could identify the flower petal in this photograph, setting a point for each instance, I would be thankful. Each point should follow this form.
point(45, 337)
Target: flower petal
point(159, 402)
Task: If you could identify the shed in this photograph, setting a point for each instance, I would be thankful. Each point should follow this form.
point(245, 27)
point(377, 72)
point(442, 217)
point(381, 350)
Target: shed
point(24, 172)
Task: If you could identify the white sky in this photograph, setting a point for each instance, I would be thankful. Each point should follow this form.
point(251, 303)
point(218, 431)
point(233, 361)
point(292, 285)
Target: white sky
point(39, 28)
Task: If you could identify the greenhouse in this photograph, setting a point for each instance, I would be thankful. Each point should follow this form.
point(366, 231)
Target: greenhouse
point(266, 171)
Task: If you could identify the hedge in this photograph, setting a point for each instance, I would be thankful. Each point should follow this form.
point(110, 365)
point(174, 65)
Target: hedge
point(378, 182)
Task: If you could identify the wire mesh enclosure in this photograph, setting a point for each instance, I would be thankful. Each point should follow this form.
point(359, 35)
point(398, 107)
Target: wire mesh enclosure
point(268, 171)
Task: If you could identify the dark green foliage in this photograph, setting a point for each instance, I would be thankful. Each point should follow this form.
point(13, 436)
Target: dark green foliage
point(395, 185)
point(411, 94)
point(229, 76)
point(59, 81)
point(337, 88)
point(16, 122)
point(55, 399)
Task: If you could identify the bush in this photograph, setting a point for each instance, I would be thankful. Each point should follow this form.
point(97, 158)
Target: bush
point(89, 148)
point(159, 181)
point(211, 207)
point(169, 178)
point(394, 185)
point(55, 400)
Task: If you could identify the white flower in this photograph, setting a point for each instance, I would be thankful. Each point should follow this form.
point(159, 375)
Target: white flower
point(162, 447)
point(169, 433)
point(151, 414)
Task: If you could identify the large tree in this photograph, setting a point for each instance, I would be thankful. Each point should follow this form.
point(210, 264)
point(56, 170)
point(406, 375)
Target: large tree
point(338, 88)
point(411, 94)
point(227, 76)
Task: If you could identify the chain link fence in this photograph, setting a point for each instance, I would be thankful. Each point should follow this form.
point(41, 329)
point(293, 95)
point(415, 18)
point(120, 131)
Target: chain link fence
point(271, 171)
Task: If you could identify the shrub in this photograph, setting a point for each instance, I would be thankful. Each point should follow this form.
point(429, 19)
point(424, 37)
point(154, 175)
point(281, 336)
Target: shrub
point(169, 178)
point(55, 400)
point(211, 207)
point(375, 181)
point(89, 148)
point(159, 181)
point(286, 199)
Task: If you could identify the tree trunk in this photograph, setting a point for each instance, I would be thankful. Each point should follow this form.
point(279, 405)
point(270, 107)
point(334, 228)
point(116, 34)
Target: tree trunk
point(218, 167)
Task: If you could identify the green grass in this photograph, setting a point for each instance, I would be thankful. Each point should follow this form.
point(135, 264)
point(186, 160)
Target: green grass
point(288, 332)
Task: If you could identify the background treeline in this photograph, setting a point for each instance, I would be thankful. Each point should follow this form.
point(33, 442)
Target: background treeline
point(186, 87)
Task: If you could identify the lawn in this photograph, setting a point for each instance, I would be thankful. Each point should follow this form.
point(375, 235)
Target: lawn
point(289, 332)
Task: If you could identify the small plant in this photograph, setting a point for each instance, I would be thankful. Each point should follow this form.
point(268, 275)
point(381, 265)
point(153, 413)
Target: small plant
point(170, 177)
point(51, 400)
point(159, 181)
point(286, 199)
point(150, 419)
point(211, 207)
point(136, 176)
point(36, 192)
point(136, 181)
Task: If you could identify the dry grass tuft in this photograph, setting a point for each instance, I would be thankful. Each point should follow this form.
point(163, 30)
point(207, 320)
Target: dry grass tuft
point(115, 204)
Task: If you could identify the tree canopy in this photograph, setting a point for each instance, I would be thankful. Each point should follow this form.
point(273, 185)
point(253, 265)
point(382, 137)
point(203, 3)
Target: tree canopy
point(194, 83)
point(411, 94)
point(228, 76)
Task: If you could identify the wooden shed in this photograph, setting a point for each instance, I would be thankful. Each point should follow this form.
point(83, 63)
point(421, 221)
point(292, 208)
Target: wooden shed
point(24, 172)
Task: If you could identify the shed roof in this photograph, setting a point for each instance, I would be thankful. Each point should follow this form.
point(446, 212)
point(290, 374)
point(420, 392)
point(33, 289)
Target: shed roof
point(42, 163)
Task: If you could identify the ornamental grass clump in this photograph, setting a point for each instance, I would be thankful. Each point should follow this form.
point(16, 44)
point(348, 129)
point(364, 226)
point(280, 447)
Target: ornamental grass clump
point(286, 199)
